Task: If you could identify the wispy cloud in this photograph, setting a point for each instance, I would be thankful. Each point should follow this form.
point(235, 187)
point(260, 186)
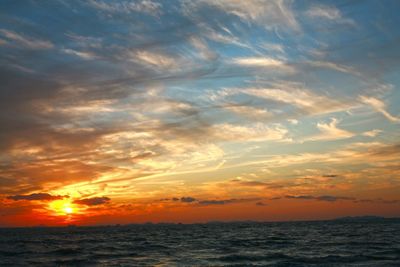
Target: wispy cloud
point(188, 199)
point(25, 41)
point(256, 132)
point(372, 133)
point(258, 62)
point(330, 131)
point(302, 98)
point(153, 59)
point(266, 13)
point(145, 6)
point(81, 54)
point(250, 111)
point(92, 201)
point(37, 196)
point(329, 13)
point(333, 66)
point(320, 198)
point(379, 106)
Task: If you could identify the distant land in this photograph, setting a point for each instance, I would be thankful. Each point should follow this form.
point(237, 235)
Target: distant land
point(365, 218)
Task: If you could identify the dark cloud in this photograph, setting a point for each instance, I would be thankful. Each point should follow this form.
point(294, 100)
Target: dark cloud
point(275, 198)
point(260, 203)
point(329, 198)
point(330, 175)
point(253, 183)
point(215, 202)
point(377, 201)
point(187, 199)
point(37, 196)
point(320, 198)
point(226, 201)
point(92, 201)
point(206, 202)
point(300, 197)
point(333, 198)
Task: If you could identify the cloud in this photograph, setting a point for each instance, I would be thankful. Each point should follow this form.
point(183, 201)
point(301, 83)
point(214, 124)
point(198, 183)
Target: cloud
point(92, 201)
point(263, 64)
point(250, 112)
point(326, 12)
point(329, 13)
point(329, 198)
point(225, 201)
point(81, 54)
point(263, 12)
point(380, 107)
point(27, 42)
point(330, 175)
point(154, 59)
point(305, 100)
point(126, 7)
point(377, 200)
point(7, 182)
point(206, 202)
point(333, 66)
point(300, 98)
point(250, 183)
point(260, 203)
point(215, 202)
point(259, 62)
point(254, 132)
point(202, 47)
point(330, 131)
point(372, 133)
point(320, 198)
point(188, 199)
point(384, 150)
point(37, 196)
point(274, 47)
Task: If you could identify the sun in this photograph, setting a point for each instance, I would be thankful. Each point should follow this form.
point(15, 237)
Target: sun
point(62, 207)
point(68, 209)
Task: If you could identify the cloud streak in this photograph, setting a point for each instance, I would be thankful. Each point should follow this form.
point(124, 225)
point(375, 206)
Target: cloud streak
point(27, 42)
point(94, 201)
point(319, 198)
point(36, 196)
point(380, 107)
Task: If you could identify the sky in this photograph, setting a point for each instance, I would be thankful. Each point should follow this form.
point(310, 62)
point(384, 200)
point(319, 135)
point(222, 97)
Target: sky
point(195, 111)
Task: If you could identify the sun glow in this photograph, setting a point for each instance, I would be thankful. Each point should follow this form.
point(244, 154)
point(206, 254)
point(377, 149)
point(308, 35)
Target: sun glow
point(68, 210)
point(63, 207)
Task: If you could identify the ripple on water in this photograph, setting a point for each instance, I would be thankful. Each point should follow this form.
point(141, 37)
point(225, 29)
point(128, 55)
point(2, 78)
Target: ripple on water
point(234, 244)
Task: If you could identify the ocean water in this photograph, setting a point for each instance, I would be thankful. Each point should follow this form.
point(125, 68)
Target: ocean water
point(332, 243)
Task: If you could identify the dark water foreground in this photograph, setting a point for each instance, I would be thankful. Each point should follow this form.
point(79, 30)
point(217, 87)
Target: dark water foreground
point(331, 243)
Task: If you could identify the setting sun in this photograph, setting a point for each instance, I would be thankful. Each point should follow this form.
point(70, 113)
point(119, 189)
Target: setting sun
point(62, 207)
point(68, 210)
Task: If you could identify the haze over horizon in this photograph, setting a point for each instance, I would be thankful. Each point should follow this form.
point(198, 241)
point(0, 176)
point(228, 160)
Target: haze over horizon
point(115, 112)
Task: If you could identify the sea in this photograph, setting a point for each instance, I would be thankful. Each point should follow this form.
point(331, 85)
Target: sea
point(318, 243)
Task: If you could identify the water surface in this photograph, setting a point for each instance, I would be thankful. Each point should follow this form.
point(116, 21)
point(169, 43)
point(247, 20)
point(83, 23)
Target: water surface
point(331, 243)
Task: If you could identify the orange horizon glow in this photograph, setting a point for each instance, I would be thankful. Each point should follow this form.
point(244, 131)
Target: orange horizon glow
point(63, 213)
